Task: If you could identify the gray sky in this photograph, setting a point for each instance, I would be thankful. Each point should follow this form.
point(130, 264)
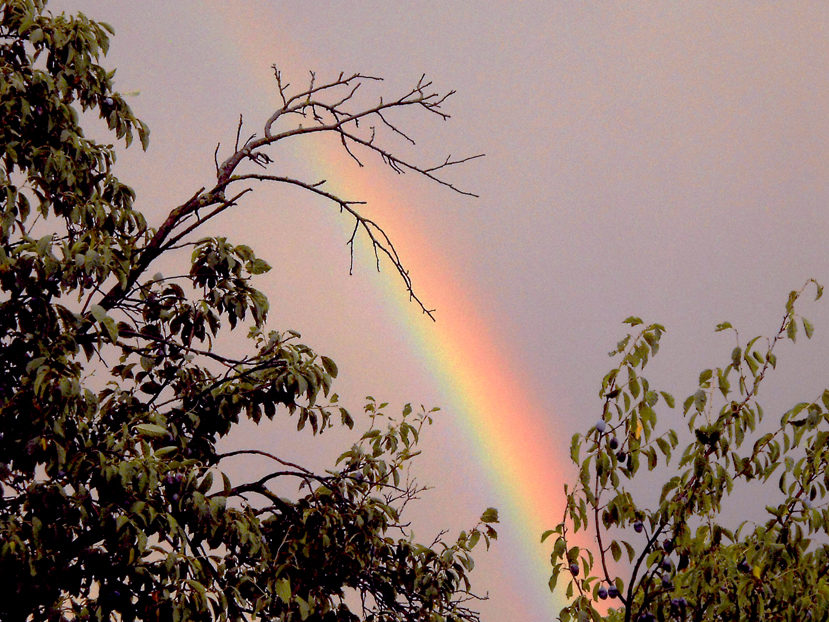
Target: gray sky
point(667, 160)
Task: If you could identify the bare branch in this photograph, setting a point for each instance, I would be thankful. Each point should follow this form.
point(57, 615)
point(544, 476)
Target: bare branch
point(238, 135)
point(257, 452)
point(380, 241)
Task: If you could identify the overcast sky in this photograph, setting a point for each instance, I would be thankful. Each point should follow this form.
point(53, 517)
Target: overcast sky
point(667, 160)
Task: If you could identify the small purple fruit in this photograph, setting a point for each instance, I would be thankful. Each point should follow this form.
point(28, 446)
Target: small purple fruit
point(613, 591)
point(666, 564)
point(574, 569)
point(666, 582)
point(602, 592)
point(638, 526)
point(614, 443)
point(668, 545)
point(743, 566)
point(601, 426)
point(683, 562)
point(678, 606)
point(621, 457)
point(109, 101)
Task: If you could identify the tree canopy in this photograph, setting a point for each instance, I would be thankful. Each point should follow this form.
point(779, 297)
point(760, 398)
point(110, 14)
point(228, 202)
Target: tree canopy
point(114, 503)
point(686, 559)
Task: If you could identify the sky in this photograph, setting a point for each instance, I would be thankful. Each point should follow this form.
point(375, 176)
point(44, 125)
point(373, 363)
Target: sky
point(660, 159)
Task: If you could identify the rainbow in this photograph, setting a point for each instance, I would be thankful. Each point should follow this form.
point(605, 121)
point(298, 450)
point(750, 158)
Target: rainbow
point(492, 406)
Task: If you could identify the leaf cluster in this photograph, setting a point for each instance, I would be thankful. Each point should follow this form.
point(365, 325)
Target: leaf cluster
point(682, 561)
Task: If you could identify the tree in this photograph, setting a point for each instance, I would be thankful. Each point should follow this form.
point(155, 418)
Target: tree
point(684, 559)
point(114, 503)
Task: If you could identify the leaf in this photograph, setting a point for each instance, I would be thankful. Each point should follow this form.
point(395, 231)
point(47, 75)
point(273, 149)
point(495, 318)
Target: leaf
point(699, 400)
point(633, 321)
point(151, 430)
point(329, 366)
point(490, 516)
point(98, 312)
point(807, 327)
point(723, 326)
point(629, 549)
point(615, 550)
point(304, 608)
point(283, 589)
point(34, 364)
point(736, 353)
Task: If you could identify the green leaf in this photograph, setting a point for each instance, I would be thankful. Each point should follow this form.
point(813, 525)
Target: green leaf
point(283, 589)
point(807, 327)
point(304, 608)
point(490, 516)
point(34, 364)
point(329, 366)
point(98, 312)
point(633, 321)
point(615, 550)
point(736, 353)
point(150, 429)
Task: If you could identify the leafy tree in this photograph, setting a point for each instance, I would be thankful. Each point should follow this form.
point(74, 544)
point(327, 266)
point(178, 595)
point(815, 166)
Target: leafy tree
point(683, 560)
point(114, 503)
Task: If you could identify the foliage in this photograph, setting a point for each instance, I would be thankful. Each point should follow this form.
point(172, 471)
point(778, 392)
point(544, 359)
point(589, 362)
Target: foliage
point(682, 561)
point(114, 500)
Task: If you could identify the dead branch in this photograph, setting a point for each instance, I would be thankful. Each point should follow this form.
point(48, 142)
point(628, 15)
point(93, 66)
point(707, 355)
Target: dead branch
point(330, 107)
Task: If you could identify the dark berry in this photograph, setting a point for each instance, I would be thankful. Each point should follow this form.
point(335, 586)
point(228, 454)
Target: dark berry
point(621, 457)
point(683, 562)
point(638, 526)
point(601, 426)
point(666, 582)
point(743, 566)
point(574, 569)
point(678, 606)
point(668, 545)
point(602, 592)
point(666, 564)
point(614, 443)
point(613, 591)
